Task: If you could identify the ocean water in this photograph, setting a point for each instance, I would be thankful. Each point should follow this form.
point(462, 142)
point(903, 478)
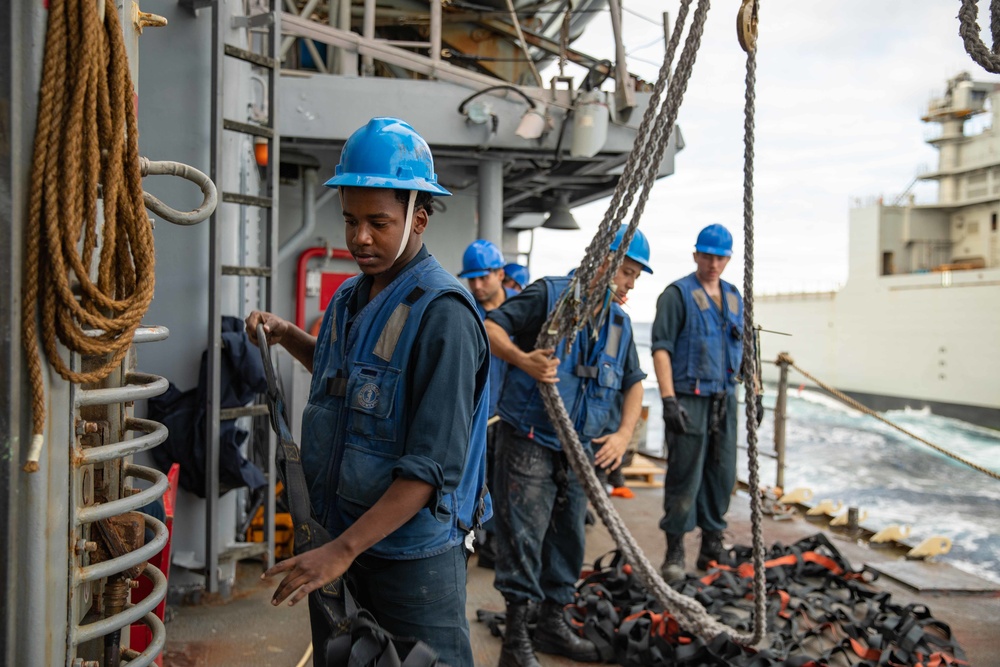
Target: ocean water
point(847, 456)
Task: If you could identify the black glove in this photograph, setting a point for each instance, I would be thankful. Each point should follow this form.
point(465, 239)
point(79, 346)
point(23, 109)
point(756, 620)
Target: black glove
point(675, 417)
point(759, 400)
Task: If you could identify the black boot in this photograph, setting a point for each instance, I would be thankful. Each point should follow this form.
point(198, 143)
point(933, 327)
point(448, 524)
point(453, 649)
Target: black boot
point(517, 651)
point(711, 548)
point(553, 635)
point(673, 565)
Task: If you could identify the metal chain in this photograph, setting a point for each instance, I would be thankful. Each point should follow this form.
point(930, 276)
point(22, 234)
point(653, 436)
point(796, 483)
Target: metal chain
point(749, 370)
point(871, 413)
point(968, 29)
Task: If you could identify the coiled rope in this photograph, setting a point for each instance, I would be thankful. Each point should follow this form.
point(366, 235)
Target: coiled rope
point(588, 287)
point(85, 140)
point(968, 28)
point(841, 396)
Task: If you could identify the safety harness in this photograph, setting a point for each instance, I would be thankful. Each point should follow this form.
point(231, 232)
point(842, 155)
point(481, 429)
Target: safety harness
point(820, 611)
point(355, 637)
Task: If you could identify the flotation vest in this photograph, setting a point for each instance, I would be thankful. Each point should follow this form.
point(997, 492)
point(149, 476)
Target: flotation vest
point(354, 426)
point(708, 352)
point(589, 384)
point(498, 367)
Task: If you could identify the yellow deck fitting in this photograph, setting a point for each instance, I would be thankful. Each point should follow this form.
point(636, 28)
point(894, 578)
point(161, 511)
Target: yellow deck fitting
point(891, 533)
point(932, 546)
point(842, 519)
point(798, 495)
point(827, 507)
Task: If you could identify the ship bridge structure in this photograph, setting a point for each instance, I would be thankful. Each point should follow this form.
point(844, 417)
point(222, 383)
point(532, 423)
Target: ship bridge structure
point(915, 318)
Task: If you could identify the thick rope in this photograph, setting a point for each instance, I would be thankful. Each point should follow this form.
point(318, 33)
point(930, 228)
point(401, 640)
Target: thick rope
point(85, 142)
point(576, 309)
point(749, 349)
point(841, 396)
point(968, 29)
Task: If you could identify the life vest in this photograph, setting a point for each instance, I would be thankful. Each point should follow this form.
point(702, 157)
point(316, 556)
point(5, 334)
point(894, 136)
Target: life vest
point(354, 426)
point(498, 367)
point(589, 384)
point(708, 352)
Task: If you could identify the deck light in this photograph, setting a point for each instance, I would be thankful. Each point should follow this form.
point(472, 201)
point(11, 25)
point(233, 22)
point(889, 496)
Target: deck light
point(533, 123)
point(560, 216)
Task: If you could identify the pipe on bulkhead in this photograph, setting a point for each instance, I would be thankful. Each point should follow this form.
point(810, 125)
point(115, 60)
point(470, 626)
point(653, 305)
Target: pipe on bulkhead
point(491, 201)
point(310, 179)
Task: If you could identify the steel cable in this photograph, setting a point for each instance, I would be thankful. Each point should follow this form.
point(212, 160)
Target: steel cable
point(871, 413)
point(85, 141)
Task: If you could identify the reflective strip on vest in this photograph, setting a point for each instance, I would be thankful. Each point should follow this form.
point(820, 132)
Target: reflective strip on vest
point(387, 340)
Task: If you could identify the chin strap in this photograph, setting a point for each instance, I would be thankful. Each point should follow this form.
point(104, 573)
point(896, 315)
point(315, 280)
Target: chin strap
point(408, 225)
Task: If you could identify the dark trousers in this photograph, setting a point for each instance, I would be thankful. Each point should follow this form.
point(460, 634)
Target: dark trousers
point(491, 438)
point(422, 598)
point(539, 509)
point(700, 477)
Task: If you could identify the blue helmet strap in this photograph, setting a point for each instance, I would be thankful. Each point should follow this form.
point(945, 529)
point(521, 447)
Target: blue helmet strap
point(408, 225)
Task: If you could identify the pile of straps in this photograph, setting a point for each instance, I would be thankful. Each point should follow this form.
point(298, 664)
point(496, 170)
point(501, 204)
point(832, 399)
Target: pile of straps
point(355, 637)
point(820, 611)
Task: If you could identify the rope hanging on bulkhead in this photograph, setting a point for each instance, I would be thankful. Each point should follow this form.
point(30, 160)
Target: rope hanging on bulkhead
point(85, 149)
point(588, 287)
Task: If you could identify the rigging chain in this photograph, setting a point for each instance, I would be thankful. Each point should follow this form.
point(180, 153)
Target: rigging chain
point(85, 141)
point(573, 310)
point(968, 29)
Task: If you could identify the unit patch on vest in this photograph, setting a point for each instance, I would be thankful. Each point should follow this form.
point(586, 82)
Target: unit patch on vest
point(368, 396)
point(700, 298)
point(734, 302)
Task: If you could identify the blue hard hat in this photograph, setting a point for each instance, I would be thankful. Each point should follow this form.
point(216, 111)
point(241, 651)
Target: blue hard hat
point(715, 240)
point(519, 274)
point(637, 250)
point(387, 153)
point(480, 258)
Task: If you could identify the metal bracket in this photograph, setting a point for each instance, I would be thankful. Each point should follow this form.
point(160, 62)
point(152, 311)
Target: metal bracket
point(255, 21)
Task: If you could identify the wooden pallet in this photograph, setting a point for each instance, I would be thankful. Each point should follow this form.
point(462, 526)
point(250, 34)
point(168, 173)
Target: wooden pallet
point(643, 473)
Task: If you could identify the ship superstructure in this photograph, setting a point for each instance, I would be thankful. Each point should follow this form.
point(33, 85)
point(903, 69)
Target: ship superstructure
point(916, 323)
point(261, 95)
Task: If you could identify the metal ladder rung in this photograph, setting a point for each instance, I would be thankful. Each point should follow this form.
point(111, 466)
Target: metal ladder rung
point(250, 57)
point(255, 271)
point(246, 200)
point(247, 411)
point(248, 128)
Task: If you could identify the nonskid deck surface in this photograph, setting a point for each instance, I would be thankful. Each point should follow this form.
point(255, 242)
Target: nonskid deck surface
point(248, 631)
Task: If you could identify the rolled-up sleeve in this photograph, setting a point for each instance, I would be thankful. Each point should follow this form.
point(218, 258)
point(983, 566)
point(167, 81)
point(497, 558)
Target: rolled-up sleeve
point(669, 319)
point(447, 365)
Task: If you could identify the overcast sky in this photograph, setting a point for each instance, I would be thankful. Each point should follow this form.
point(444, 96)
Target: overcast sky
point(841, 87)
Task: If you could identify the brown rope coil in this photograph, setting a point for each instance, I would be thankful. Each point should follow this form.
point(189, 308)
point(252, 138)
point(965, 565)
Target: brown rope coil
point(85, 149)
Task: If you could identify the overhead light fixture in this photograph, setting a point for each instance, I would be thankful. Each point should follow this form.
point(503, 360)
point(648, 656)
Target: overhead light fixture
point(533, 122)
point(524, 221)
point(479, 112)
point(590, 124)
point(560, 216)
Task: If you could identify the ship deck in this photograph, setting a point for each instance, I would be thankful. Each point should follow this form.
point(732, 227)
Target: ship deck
point(248, 631)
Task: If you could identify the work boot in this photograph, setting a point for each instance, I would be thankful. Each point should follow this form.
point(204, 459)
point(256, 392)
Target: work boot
point(673, 565)
point(711, 548)
point(517, 650)
point(553, 635)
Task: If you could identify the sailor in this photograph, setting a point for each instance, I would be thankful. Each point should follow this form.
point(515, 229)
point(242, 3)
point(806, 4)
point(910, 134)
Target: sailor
point(483, 268)
point(394, 433)
point(540, 504)
point(517, 277)
point(697, 344)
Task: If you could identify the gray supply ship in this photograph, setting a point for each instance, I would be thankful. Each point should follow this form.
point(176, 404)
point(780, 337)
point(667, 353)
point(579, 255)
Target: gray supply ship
point(916, 323)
